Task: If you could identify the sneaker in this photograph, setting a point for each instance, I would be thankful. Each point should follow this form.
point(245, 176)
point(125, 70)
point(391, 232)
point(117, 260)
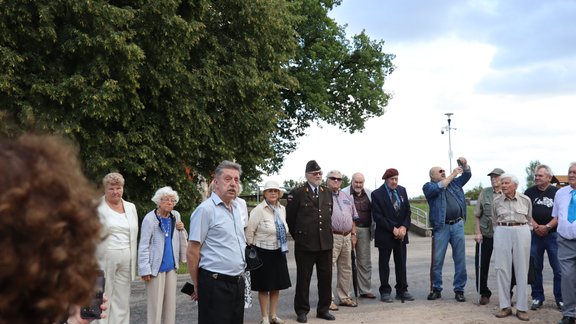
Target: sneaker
point(560, 305)
point(459, 296)
point(434, 294)
point(536, 303)
point(386, 298)
point(264, 321)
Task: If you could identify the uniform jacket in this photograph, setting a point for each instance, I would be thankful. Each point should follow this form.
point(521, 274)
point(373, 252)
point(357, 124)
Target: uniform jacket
point(385, 217)
point(309, 219)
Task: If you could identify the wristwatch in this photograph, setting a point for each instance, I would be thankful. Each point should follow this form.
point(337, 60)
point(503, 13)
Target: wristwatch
point(548, 227)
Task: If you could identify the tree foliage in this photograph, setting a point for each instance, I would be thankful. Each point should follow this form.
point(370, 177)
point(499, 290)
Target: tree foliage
point(530, 172)
point(162, 91)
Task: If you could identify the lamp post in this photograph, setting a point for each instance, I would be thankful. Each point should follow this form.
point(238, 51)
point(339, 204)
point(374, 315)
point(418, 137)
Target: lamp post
point(448, 129)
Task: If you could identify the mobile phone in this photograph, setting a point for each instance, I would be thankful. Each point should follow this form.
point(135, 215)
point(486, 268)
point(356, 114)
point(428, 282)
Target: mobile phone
point(94, 311)
point(188, 289)
point(460, 164)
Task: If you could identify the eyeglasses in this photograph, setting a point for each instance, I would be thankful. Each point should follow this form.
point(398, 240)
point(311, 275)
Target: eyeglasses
point(316, 173)
point(441, 171)
point(272, 190)
point(171, 200)
point(335, 179)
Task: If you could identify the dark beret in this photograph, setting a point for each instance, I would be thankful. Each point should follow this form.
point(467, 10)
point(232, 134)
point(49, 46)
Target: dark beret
point(390, 173)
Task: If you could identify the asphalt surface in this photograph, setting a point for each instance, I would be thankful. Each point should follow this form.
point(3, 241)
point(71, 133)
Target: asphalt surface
point(421, 310)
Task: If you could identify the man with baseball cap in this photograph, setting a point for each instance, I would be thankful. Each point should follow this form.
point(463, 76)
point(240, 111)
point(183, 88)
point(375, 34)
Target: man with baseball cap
point(485, 233)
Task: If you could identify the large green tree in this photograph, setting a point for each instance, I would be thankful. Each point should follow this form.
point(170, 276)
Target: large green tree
point(162, 91)
point(530, 172)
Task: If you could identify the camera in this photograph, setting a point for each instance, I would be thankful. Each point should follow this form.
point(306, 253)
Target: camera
point(94, 311)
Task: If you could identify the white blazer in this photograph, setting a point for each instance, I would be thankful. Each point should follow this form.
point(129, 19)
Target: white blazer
point(132, 217)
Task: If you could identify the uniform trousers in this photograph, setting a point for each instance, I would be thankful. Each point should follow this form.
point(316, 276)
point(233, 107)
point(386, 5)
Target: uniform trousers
point(363, 260)
point(342, 259)
point(161, 298)
point(567, 260)
point(117, 289)
point(305, 261)
point(220, 301)
point(513, 247)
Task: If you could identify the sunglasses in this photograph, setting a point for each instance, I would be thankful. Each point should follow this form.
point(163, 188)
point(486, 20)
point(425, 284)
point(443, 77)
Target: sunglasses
point(316, 173)
point(441, 171)
point(335, 179)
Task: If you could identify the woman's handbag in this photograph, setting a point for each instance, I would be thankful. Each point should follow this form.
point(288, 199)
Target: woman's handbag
point(253, 260)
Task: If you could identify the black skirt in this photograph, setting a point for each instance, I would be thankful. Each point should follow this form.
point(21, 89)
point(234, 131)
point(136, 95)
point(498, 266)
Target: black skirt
point(273, 274)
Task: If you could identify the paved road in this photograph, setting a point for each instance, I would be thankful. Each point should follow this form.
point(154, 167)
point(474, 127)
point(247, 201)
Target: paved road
point(443, 311)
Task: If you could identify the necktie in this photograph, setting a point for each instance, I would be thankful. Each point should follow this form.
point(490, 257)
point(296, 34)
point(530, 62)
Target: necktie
point(572, 207)
point(394, 201)
point(316, 192)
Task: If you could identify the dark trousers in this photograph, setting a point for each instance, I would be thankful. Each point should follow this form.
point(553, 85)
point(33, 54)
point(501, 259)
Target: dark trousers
point(305, 261)
point(487, 247)
point(219, 301)
point(399, 250)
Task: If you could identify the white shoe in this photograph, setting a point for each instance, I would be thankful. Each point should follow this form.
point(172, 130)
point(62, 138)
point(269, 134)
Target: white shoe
point(264, 321)
point(276, 320)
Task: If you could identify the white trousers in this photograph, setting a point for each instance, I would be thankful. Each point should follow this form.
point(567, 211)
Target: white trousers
point(512, 244)
point(161, 298)
point(117, 270)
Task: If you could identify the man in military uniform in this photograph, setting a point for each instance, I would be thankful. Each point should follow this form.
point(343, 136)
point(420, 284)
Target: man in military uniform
point(309, 218)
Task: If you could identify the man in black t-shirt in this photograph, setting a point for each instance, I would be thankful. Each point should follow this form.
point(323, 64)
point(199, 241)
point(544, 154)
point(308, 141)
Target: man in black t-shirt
point(543, 234)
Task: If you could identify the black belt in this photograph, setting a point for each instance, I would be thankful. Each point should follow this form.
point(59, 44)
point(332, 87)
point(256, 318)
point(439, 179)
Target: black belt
point(510, 224)
point(341, 233)
point(454, 221)
point(222, 277)
point(363, 225)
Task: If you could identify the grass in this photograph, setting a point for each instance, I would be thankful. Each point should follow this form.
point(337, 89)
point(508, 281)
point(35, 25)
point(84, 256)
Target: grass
point(469, 227)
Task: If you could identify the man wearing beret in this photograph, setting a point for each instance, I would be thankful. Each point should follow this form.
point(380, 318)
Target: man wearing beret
point(485, 233)
point(391, 213)
point(309, 218)
point(447, 204)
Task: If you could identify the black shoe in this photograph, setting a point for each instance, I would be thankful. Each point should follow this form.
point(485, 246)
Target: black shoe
point(560, 305)
point(434, 294)
point(567, 320)
point(327, 316)
point(459, 296)
point(386, 298)
point(536, 303)
point(301, 318)
point(404, 296)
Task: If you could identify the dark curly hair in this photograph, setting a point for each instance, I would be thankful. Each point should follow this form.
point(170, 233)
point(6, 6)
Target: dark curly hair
point(49, 230)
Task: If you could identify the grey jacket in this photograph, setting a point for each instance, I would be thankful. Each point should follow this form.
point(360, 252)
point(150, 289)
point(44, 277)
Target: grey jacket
point(151, 247)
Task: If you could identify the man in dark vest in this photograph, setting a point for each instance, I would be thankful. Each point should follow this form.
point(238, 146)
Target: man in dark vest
point(309, 218)
point(485, 233)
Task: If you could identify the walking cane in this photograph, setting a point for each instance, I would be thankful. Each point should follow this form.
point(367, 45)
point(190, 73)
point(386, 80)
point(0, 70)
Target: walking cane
point(479, 268)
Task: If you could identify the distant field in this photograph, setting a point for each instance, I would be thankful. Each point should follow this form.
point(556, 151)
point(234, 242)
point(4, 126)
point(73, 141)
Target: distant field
point(469, 227)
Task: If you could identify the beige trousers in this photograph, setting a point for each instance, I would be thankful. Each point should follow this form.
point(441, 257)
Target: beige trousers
point(342, 261)
point(161, 298)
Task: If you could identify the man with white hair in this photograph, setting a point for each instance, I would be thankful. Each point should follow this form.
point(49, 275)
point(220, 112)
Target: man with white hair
point(511, 218)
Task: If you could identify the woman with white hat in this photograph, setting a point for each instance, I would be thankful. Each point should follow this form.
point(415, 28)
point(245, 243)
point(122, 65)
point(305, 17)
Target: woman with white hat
point(267, 231)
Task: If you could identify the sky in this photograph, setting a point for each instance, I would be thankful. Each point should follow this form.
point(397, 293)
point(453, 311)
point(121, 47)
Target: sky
point(506, 70)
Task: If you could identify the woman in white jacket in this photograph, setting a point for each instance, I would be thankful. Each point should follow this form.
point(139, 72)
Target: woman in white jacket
point(159, 254)
point(117, 253)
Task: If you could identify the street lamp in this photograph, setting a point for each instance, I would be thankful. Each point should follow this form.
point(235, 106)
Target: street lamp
point(449, 129)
